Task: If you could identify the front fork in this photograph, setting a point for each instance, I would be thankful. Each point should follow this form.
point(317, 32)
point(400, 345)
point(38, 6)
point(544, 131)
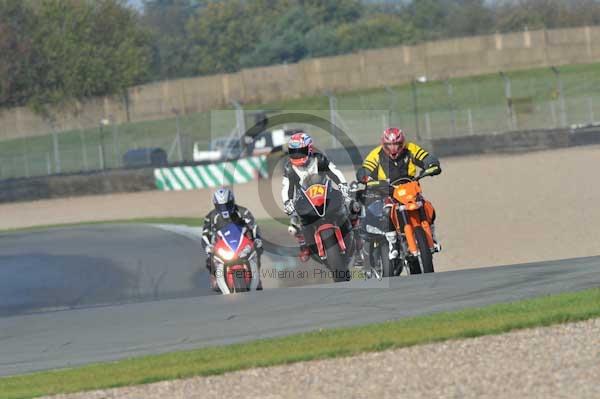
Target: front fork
point(406, 232)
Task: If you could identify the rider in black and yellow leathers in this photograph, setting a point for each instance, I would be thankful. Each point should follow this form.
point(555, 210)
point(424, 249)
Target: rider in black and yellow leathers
point(395, 158)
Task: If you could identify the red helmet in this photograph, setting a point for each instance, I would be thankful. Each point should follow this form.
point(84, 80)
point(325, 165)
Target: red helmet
point(392, 142)
point(300, 148)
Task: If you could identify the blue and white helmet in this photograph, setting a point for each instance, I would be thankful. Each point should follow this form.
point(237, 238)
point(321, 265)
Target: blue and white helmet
point(224, 201)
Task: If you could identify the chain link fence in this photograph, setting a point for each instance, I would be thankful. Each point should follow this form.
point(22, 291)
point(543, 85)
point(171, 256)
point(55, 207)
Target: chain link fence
point(542, 99)
point(493, 104)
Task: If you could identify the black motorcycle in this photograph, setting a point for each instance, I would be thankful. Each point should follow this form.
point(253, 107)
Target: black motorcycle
point(374, 223)
point(324, 217)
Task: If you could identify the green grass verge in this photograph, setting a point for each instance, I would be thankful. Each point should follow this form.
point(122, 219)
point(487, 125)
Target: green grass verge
point(493, 319)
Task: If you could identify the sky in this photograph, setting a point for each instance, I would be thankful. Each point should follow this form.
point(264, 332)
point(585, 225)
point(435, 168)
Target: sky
point(136, 3)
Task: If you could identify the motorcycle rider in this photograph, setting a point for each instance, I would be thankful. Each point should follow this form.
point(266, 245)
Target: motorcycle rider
point(395, 158)
point(303, 161)
point(227, 211)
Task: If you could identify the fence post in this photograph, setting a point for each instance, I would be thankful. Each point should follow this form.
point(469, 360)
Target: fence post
point(26, 163)
point(511, 119)
point(470, 121)
point(57, 167)
point(561, 97)
point(101, 156)
point(553, 113)
point(103, 122)
point(177, 127)
point(48, 163)
point(393, 104)
point(450, 92)
point(428, 125)
point(83, 150)
point(332, 118)
point(115, 134)
point(416, 108)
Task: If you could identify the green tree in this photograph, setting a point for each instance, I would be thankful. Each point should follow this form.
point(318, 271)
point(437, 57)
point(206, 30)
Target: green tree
point(298, 32)
point(221, 32)
point(16, 53)
point(375, 31)
point(166, 20)
point(331, 11)
point(284, 41)
point(469, 18)
point(88, 48)
point(322, 41)
point(429, 17)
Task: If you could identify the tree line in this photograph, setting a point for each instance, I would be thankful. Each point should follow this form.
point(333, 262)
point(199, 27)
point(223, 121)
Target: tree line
point(55, 51)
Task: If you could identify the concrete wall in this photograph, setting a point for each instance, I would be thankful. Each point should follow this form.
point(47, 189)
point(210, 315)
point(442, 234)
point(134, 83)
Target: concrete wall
point(365, 69)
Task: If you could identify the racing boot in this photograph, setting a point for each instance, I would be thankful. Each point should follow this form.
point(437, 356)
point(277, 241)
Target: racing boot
point(212, 280)
point(359, 255)
point(437, 247)
point(213, 283)
point(304, 254)
point(295, 230)
point(391, 238)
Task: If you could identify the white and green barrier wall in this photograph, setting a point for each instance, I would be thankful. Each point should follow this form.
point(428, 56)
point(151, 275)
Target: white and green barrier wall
point(214, 175)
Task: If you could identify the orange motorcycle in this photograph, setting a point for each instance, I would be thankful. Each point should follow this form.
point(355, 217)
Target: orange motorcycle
point(411, 216)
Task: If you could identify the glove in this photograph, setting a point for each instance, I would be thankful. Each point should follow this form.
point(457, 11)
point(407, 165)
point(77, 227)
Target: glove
point(208, 249)
point(344, 190)
point(433, 170)
point(288, 207)
point(258, 243)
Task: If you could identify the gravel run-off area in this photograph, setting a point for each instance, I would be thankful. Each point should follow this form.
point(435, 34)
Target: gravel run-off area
point(561, 361)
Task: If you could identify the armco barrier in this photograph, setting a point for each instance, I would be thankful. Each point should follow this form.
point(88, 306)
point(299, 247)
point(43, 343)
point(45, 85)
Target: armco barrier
point(61, 186)
point(214, 175)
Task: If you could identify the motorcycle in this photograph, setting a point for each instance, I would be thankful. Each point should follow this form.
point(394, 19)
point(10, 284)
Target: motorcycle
point(409, 244)
point(410, 215)
point(374, 224)
point(324, 218)
point(235, 260)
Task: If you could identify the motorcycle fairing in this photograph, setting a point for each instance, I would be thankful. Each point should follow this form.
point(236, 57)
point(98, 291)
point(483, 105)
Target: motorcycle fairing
point(232, 235)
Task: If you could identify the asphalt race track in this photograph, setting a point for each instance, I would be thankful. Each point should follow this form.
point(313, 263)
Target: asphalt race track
point(92, 274)
point(97, 264)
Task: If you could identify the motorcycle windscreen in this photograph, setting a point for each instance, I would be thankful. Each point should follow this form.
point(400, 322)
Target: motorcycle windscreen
point(317, 196)
point(232, 234)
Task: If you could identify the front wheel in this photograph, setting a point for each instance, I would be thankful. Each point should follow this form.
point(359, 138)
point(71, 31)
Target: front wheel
point(426, 257)
point(387, 265)
point(240, 277)
point(336, 262)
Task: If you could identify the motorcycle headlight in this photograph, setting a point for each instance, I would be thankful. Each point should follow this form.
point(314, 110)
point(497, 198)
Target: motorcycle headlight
point(373, 230)
point(245, 251)
point(225, 254)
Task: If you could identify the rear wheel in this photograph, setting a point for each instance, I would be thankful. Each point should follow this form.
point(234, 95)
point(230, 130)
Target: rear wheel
point(426, 256)
point(336, 262)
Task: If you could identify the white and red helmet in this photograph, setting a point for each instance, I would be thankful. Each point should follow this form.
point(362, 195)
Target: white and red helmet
point(392, 142)
point(300, 148)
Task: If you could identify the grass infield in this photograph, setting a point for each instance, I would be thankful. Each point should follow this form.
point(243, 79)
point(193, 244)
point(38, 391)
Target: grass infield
point(322, 344)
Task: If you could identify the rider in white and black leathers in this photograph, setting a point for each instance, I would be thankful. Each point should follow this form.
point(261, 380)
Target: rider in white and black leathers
point(304, 162)
point(227, 211)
